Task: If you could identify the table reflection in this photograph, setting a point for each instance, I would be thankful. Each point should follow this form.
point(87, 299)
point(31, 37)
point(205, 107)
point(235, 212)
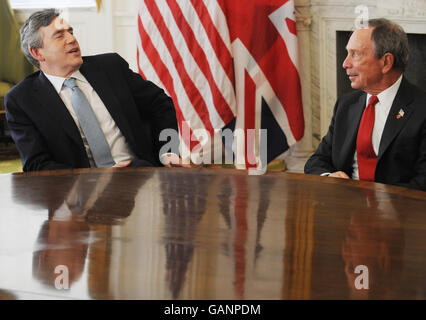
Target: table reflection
point(207, 234)
point(375, 239)
point(81, 211)
point(182, 213)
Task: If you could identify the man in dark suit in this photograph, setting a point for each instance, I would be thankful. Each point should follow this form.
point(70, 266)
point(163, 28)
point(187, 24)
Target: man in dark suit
point(50, 132)
point(377, 133)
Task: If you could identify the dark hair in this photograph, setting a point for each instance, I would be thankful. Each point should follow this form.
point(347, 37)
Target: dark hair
point(30, 32)
point(388, 36)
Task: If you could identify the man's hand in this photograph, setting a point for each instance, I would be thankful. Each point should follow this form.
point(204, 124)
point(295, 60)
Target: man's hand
point(173, 160)
point(339, 174)
point(122, 164)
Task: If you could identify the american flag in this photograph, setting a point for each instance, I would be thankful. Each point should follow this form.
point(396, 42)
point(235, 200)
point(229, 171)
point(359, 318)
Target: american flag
point(226, 64)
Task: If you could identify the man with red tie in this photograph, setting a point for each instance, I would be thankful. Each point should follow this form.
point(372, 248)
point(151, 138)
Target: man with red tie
point(377, 133)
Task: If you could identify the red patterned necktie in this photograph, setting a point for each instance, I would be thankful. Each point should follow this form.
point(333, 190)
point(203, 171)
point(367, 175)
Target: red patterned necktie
point(367, 158)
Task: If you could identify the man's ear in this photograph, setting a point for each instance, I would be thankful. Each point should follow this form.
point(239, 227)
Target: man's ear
point(35, 52)
point(388, 61)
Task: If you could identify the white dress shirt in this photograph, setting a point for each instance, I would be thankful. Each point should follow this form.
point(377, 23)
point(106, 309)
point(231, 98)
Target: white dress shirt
point(120, 150)
point(382, 109)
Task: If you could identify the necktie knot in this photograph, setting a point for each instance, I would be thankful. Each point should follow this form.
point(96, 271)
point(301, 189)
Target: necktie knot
point(70, 83)
point(373, 101)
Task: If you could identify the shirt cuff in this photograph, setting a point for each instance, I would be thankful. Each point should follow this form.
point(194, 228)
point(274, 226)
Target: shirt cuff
point(325, 174)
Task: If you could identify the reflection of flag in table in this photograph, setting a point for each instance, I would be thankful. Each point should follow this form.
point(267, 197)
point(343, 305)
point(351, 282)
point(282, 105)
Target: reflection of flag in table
point(226, 64)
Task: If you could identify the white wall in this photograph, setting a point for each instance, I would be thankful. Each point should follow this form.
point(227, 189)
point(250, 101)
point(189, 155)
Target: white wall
point(125, 29)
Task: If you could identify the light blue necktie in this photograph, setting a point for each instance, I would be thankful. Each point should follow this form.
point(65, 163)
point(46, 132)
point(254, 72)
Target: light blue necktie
point(90, 126)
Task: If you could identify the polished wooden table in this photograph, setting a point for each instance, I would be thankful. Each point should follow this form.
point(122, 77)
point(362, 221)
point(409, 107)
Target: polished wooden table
point(208, 234)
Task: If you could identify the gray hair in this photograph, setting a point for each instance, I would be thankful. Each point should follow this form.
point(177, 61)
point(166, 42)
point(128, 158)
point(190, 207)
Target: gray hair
point(31, 36)
point(388, 36)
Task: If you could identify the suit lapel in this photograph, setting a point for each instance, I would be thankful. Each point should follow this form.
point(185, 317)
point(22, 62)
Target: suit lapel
point(101, 84)
point(394, 124)
point(354, 115)
point(53, 105)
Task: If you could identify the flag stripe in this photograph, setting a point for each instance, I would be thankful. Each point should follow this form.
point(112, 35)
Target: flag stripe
point(249, 119)
point(162, 70)
point(139, 68)
point(144, 63)
point(164, 67)
point(192, 91)
point(200, 47)
point(220, 43)
point(166, 70)
point(191, 66)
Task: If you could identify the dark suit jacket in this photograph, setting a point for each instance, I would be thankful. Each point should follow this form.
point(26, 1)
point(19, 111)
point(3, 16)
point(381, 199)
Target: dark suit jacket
point(402, 151)
point(46, 135)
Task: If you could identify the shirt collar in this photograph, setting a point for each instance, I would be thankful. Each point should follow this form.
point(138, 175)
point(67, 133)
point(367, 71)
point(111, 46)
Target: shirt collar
point(58, 82)
point(388, 95)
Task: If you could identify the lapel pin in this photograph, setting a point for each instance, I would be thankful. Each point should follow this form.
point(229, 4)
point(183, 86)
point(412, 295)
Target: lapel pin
point(400, 114)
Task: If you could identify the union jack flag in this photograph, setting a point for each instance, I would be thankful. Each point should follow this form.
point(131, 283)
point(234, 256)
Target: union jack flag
point(226, 64)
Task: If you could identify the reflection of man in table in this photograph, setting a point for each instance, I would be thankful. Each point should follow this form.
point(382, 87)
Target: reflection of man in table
point(377, 133)
point(64, 239)
point(375, 240)
point(64, 243)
